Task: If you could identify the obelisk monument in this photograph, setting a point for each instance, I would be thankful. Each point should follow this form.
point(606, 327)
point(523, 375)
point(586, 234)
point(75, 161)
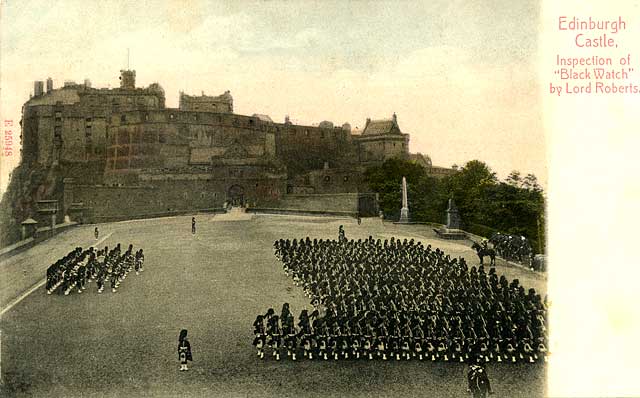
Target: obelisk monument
point(404, 212)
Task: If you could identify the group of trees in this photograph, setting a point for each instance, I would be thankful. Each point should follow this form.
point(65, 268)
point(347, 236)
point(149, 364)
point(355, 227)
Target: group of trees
point(486, 204)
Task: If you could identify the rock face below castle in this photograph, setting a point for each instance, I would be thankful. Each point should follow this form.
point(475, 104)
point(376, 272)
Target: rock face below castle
point(120, 153)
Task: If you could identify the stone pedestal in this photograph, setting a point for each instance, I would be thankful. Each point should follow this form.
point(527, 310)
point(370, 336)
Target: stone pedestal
point(404, 215)
point(452, 229)
point(453, 218)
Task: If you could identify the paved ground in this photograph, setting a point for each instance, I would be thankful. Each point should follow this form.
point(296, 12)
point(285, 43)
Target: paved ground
point(213, 283)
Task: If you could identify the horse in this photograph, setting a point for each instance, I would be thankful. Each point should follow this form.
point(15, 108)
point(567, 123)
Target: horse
point(482, 252)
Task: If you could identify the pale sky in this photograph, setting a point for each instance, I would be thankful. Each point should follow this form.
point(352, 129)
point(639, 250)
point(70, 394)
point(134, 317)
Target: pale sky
point(460, 75)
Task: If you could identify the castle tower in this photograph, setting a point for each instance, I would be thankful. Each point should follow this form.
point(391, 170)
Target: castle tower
point(38, 88)
point(49, 84)
point(128, 79)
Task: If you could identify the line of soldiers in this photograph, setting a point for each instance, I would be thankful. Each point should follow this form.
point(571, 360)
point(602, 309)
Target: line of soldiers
point(401, 300)
point(512, 247)
point(79, 267)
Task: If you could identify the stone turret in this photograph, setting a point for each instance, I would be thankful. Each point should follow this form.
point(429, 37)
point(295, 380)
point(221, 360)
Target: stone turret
point(128, 79)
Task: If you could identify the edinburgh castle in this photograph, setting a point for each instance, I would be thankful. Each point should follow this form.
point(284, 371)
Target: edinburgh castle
point(97, 154)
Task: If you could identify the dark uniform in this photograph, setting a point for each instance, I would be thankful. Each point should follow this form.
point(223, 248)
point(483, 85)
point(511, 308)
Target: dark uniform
point(184, 350)
point(478, 380)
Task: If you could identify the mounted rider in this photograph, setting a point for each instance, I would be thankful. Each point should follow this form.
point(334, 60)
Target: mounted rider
point(478, 381)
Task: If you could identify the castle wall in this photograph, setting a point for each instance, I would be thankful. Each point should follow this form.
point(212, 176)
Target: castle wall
point(69, 124)
point(382, 147)
point(169, 194)
point(176, 139)
point(337, 203)
point(335, 181)
point(205, 103)
point(305, 148)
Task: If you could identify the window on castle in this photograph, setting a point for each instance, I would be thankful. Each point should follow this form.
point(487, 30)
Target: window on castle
point(57, 132)
point(327, 179)
point(161, 138)
point(88, 120)
point(172, 116)
point(123, 137)
point(123, 118)
point(345, 179)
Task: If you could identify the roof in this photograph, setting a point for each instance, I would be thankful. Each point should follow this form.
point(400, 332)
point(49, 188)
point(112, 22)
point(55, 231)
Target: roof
point(356, 131)
point(264, 118)
point(383, 126)
point(29, 221)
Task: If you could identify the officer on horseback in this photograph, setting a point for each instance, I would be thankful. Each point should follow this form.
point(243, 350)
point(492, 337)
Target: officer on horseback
point(478, 381)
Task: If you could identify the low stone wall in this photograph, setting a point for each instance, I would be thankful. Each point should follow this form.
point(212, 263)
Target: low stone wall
point(265, 210)
point(117, 203)
point(346, 203)
point(141, 216)
point(41, 235)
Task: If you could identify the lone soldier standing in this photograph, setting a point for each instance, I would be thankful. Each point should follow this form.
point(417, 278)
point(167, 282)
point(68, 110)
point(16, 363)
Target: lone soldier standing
point(193, 225)
point(184, 350)
point(96, 232)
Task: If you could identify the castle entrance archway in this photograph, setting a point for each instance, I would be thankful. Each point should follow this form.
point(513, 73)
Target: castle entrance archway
point(235, 195)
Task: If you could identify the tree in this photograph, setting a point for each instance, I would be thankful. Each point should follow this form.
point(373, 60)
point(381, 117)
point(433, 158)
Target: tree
point(530, 183)
point(422, 189)
point(468, 189)
point(486, 205)
point(515, 179)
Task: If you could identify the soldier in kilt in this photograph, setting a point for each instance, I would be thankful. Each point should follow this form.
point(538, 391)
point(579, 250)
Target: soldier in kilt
point(184, 350)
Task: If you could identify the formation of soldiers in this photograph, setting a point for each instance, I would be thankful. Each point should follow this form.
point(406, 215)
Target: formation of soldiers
point(82, 266)
point(512, 247)
point(400, 300)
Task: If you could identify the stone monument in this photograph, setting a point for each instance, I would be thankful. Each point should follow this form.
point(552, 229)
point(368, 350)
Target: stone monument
point(404, 212)
point(452, 229)
point(453, 218)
